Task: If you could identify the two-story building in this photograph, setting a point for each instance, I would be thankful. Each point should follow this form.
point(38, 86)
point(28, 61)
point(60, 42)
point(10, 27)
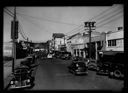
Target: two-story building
point(115, 41)
point(59, 42)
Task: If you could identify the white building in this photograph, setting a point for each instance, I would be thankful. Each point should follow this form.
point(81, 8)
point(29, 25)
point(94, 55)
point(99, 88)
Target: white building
point(59, 41)
point(115, 41)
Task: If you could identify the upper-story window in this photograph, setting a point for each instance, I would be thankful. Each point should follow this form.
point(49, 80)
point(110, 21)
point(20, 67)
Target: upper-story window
point(120, 28)
point(111, 42)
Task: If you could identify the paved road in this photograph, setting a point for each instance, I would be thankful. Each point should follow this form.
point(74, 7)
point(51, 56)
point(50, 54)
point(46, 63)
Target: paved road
point(54, 75)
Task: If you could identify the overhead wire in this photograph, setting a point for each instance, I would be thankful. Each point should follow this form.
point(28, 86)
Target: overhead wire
point(117, 7)
point(101, 15)
point(22, 32)
point(36, 25)
point(44, 19)
point(109, 16)
point(8, 13)
point(110, 21)
point(20, 28)
point(76, 29)
point(95, 17)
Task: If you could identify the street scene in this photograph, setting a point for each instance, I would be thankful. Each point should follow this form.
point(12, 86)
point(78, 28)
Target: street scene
point(64, 48)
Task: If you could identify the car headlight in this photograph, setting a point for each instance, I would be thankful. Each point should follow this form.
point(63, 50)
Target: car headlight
point(11, 82)
point(28, 80)
point(16, 81)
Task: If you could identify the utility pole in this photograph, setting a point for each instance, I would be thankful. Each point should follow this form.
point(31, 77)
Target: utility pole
point(14, 37)
point(89, 26)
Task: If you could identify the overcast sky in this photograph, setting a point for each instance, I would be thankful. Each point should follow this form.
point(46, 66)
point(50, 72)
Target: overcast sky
point(39, 23)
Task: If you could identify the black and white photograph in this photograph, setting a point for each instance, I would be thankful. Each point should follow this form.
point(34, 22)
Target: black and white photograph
point(63, 48)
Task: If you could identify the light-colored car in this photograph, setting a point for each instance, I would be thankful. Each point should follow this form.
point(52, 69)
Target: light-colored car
point(49, 56)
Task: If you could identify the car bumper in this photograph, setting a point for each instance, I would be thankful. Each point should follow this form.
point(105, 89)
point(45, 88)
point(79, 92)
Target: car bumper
point(102, 73)
point(17, 87)
point(79, 73)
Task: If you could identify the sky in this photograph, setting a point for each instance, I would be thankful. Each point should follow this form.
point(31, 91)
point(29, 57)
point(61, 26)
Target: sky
point(39, 23)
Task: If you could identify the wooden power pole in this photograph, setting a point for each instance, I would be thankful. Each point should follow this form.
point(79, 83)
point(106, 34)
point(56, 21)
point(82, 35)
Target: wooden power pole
point(14, 37)
point(90, 26)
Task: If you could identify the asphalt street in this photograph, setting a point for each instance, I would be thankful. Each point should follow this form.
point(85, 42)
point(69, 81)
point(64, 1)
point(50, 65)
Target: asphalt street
point(53, 75)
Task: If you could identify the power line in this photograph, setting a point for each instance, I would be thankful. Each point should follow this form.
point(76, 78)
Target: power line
point(74, 30)
point(98, 15)
point(20, 28)
point(22, 32)
point(110, 16)
point(54, 21)
point(8, 13)
point(36, 25)
point(101, 15)
point(110, 21)
point(107, 14)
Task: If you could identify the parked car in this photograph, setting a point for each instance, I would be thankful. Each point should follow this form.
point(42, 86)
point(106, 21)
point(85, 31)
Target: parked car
point(111, 63)
point(50, 56)
point(56, 54)
point(22, 78)
point(77, 58)
point(65, 55)
point(117, 67)
point(78, 68)
point(27, 62)
point(103, 69)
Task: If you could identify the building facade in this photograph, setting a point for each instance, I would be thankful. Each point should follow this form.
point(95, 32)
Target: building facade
point(115, 41)
point(59, 42)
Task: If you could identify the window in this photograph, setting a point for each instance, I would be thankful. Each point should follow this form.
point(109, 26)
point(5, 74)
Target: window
point(120, 28)
point(111, 42)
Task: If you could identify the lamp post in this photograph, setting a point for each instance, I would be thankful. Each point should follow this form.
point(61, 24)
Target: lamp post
point(90, 26)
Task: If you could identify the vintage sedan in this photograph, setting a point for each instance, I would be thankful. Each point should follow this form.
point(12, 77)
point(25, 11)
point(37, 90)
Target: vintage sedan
point(78, 68)
point(65, 55)
point(111, 63)
point(22, 78)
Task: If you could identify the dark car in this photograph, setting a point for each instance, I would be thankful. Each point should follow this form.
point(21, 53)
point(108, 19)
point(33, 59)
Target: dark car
point(103, 65)
point(56, 54)
point(111, 64)
point(66, 55)
point(78, 68)
point(117, 67)
point(22, 78)
point(77, 58)
point(103, 69)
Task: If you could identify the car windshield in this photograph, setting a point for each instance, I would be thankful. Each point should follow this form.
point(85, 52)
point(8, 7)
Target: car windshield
point(80, 64)
point(21, 73)
point(107, 58)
